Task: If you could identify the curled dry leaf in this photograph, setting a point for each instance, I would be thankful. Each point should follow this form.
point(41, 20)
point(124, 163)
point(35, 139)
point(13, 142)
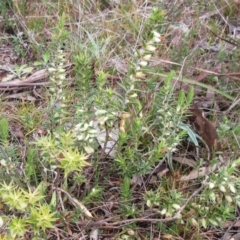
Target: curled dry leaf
point(231, 223)
point(185, 161)
point(21, 96)
point(205, 129)
point(201, 172)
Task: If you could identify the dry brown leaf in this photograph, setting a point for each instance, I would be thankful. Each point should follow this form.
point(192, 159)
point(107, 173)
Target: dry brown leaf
point(190, 213)
point(231, 223)
point(201, 172)
point(39, 75)
point(205, 129)
point(186, 161)
point(117, 63)
point(21, 96)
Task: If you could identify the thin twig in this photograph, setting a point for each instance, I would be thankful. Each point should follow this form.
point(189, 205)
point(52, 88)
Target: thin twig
point(229, 228)
point(234, 104)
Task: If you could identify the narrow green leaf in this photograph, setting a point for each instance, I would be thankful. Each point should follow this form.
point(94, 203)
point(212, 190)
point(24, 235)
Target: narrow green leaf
point(194, 82)
point(181, 98)
point(190, 96)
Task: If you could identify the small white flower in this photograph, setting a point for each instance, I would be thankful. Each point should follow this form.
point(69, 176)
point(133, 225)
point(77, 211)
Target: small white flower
point(62, 76)
point(137, 68)
point(84, 128)
point(211, 185)
point(53, 167)
point(61, 57)
point(132, 78)
point(80, 110)
point(78, 126)
point(140, 75)
point(222, 188)
point(122, 129)
point(232, 188)
point(150, 48)
point(1, 222)
point(203, 222)
point(151, 42)
point(80, 137)
point(130, 232)
point(176, 206)
point(156, 40)
point(163, 212)
point(3, 162)
point(175, 144)
point(143, 63)
point(149, 204)
point(52, 70)
point(147, 57)
point(131, 87)
point(178, 109)
point(133, 95)
point(61, 70)
point(212, 196)
point(156, 34)
point(234, 165)
point(228, 198)
point(100, 112)
point(140, 52)
point(92, 131)
point(88, 149)
point(194, 222)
